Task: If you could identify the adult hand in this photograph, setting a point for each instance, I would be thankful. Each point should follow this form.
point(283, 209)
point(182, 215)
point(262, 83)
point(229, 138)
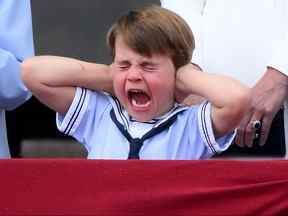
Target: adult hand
point(268, 96)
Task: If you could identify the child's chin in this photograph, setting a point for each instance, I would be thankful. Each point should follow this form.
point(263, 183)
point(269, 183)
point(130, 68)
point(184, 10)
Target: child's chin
point(141, 114)
point(142, 118)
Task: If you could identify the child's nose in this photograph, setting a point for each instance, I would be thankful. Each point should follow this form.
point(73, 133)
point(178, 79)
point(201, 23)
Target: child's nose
point(134, 74)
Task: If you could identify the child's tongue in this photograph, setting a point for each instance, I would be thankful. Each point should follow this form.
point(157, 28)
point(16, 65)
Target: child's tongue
point(139, 99)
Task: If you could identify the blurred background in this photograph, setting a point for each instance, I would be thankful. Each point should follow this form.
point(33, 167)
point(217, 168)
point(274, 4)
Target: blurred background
point(71, 28)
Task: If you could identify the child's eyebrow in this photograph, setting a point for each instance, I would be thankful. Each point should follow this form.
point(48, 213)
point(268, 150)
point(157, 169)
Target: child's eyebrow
point(149, 63)
point(122, 62)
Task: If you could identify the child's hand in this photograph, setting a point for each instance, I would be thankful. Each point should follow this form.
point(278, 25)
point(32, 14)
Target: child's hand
point(185, 98)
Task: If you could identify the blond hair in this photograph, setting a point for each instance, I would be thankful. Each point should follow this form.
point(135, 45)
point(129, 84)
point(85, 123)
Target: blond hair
point(154, 30)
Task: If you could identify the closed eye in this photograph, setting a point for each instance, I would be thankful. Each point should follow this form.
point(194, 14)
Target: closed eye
point(123, 65)
point(150, 67)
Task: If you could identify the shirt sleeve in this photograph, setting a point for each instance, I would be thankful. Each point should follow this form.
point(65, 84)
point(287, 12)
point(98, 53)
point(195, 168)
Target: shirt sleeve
point(16, 44)
point(85, 111)
point(206, 132)
point(279, 59)
point(192, 13)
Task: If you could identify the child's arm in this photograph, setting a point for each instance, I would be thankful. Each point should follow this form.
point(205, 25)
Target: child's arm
point(53, 80)
point(229, 98)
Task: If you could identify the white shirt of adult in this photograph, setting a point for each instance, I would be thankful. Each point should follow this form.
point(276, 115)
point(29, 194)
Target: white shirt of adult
point(239, 38)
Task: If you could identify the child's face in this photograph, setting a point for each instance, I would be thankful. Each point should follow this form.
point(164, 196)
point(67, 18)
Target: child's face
point(144, 85)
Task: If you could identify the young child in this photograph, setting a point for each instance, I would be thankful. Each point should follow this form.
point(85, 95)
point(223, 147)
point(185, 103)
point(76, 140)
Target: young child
point(142, 120)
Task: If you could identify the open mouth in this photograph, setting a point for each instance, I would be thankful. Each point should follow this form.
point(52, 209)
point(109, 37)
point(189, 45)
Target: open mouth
point(139, 98)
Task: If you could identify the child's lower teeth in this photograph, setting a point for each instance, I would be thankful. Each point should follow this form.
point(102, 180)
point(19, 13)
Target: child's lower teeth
point(134, 102)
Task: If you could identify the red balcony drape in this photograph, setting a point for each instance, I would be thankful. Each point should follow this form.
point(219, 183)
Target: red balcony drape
point(112, 187)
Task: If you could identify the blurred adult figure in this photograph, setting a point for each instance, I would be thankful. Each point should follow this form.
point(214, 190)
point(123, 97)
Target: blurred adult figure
point(16, 43)
point(249, 41)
